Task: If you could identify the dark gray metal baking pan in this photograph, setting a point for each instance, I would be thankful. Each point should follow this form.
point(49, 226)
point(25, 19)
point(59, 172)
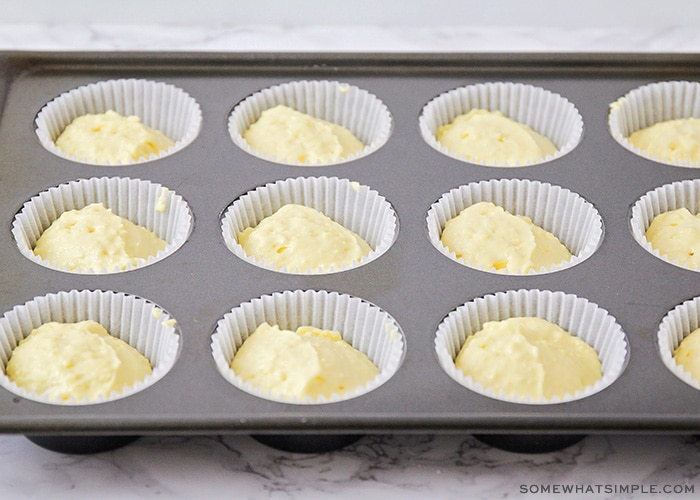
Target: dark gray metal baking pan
point(413, 282)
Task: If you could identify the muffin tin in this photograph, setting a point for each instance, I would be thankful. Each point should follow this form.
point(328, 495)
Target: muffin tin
point(412, 281)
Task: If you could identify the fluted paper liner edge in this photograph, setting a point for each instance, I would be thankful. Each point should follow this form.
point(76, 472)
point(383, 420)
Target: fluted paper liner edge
point(160, 106)
point(572, 219)
point(674, 327)
point(346, 105)
point(352, 205)
point(137, 321)
point(144, 203)
point(578, 316)
point(672, 196)
point(363, 325)
point(650, 104)
point(547, 113)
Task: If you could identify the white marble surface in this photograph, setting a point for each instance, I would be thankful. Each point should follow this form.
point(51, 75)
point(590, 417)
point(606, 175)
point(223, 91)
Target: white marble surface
point(389, 467)
point(359, 38)
point(403, 466)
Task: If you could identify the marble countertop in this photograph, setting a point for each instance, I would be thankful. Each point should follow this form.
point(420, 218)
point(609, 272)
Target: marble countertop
point(386, 466)
point(279, 38)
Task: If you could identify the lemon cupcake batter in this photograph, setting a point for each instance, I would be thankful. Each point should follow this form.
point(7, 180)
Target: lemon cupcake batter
point(529, 357)
point(75, 360)
point(687, 354)
point(676, 234)
point(110, 138)
point(95, 238)
point(301, 238)
point(485, 235)
point(672, 140)
point(492, 137)
point(308, 362)
point(289, 135)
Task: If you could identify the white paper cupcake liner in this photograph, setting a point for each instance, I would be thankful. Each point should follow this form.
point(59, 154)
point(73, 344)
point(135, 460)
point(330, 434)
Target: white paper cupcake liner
point(144, 203)
point(161, 106)
point(136, 321)
point(576, 315)
point(547, 113)
point(363, 325)
point(568, 216)
point(663, 199)
point(676, 325)
point(352, 205)
point(651, 104)
point(357, 110)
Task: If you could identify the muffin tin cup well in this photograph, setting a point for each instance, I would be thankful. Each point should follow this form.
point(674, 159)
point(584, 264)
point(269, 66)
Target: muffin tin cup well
point(346, 105)
point(353, 206)
point(81, 445)
point(160, 106)
point(545, 112)
point(144, 203)
point(578, 316)
point(137, 321)
point(307, 443)
point(681, 194)
point(651, 104)
point(364, 326)
point(573, 220)
point(675, 326)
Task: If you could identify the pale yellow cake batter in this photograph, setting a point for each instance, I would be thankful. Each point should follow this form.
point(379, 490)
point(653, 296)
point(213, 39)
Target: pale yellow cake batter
point(676, 234)
point(485, 236)
point(529, 357)
point(75, 360)
point(95, 238)
point(673, 140)
point(110, 138)
point(307, 363)
point(492, 137)
point(289, 135)
point(687, 354)
point(297, 237)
